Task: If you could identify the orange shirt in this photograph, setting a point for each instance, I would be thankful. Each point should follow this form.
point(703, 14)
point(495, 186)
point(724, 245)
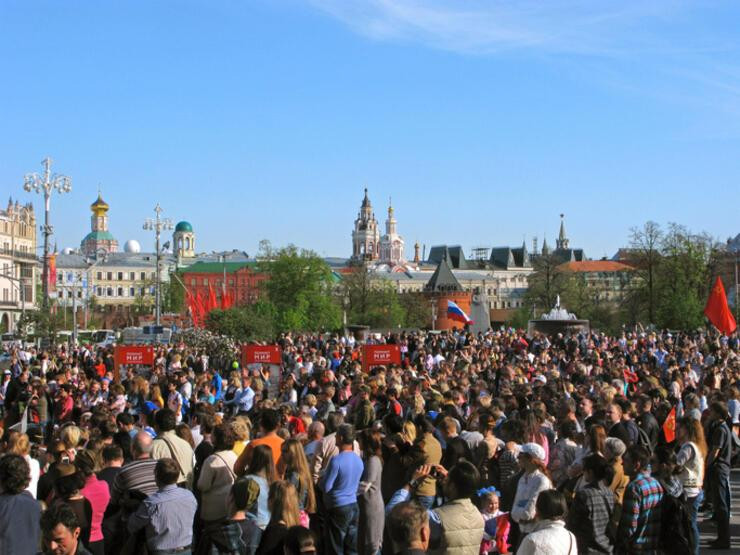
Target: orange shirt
point(274, 442)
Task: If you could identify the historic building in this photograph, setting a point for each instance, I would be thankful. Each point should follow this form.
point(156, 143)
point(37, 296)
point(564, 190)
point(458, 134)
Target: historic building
point(366, 235)
point(239, 280)
point(98, 274)
point(18, 263)
point(607, 280)
point(99, 240)
point(391, 244)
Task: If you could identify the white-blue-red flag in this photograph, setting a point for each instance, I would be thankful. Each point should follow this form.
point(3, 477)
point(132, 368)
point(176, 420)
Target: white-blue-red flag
point(456, 313)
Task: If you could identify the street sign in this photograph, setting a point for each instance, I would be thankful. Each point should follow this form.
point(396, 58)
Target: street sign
point(380, 355)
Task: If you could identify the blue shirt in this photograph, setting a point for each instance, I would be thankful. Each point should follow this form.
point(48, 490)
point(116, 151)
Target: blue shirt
point(244, 400)
point(168, 516)
point(262, 517)
point(339, 482)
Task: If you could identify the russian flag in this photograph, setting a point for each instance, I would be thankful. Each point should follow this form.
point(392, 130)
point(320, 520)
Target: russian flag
point(456, 313)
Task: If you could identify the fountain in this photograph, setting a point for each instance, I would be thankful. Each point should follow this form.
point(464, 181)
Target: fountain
point(558, 320)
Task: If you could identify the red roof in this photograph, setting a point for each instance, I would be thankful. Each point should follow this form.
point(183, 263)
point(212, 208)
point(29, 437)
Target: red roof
point(596, 266)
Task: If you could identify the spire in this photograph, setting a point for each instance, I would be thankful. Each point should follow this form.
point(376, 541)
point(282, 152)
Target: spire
point(366, 200)
point(545, 248)
point(416, 252)
point(562, 242)
point(443, 280)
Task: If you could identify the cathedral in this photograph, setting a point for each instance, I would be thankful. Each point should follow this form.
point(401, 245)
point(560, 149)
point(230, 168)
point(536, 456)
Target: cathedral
point(384, 253)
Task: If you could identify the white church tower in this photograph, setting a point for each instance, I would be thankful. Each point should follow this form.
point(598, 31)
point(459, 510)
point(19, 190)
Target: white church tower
point(366, 236)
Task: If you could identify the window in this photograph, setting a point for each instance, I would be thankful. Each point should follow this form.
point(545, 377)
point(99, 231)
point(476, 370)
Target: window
point(60, 277)
point(205, 281)
point(131, 292)
point(110, 291)
point(120, 291)
point(143, 276)
point(100, 275)
point(120, 276)
point(79, 294)
point(193, 282)
point(142, 291)
point(110, 276)
point(132, 276)
point(99, 291)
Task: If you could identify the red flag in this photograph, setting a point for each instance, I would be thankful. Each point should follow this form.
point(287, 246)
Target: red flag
point(212, 302)
point(193, 307)
point(717, 310)
point(669, 426)
point(630, 376)
point(200, 304)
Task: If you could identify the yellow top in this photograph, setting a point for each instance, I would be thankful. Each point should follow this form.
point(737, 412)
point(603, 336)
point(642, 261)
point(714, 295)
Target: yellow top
point(99, 207)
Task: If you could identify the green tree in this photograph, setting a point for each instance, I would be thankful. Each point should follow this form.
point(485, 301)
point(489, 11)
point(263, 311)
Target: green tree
point(173, 294)
point(244, 323)
point(371, 300)
point(417, 311)
point(683, 277)
point(299, 286)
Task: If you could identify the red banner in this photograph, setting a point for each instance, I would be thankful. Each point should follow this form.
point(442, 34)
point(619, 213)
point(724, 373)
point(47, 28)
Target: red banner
point(129, 354)
point(261, 354)
point(380, 355)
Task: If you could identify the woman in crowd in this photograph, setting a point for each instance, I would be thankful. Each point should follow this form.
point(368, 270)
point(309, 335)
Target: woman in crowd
point(21, 445)
point(217, 476)
point(283, 505)
point(67, 488)
point(690, 464)
point(534, 480)
point(548, 534)
point(372, 509)
point(97, 493)
point(293, 467)
point(262, 470)
point(592, 508)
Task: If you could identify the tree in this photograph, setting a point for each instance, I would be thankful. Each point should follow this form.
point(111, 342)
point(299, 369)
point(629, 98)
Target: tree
point(173, 294)
point(299, 286)
point(548, 281)
point(417, 312)
point(253, 322)
point(683, 278)
point(645, 255)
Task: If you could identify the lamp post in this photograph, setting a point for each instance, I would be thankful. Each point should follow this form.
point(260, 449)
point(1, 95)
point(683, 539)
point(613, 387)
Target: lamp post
point(157, 224)
point(46, 183)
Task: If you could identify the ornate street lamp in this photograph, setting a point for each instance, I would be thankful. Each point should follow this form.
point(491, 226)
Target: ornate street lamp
point(46, 183)
point(158, 225)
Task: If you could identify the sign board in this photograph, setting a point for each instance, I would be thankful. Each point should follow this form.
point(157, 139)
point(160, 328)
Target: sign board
point(261, 354)
point(153, 330)
point(380, 355)
point(132, 354)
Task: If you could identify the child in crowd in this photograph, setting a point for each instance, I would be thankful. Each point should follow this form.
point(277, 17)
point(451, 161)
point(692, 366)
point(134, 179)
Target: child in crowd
point(496, 530)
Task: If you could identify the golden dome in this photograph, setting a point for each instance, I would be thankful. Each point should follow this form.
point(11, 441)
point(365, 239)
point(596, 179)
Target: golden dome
point(99, 207)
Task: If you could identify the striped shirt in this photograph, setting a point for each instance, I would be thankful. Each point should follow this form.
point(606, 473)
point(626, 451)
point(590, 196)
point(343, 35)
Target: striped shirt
point(639, 528)
point(136, 475)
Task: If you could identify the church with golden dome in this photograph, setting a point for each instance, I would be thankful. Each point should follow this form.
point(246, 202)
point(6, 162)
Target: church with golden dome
point(99, 240)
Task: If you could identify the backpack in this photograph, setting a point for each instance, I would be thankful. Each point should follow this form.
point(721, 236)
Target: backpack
point(675, 525)
point(643, 439)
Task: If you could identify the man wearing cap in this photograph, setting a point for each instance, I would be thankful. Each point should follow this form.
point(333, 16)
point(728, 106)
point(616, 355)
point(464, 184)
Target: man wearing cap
point(364, 413)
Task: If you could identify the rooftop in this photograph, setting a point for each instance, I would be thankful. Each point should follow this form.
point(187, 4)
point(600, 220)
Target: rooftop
point(596, 266)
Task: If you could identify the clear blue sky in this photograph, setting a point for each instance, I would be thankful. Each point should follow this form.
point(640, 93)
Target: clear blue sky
point(484, 119)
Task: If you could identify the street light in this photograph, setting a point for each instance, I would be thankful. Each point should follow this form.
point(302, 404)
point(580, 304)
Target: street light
point(158, 225)
point(46, 183)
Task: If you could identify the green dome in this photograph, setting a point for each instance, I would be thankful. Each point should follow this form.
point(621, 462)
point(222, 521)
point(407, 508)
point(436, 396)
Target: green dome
point(98, 236)
point(184, 226)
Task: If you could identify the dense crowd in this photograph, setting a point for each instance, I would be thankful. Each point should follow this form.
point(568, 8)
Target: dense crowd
point(487, 444)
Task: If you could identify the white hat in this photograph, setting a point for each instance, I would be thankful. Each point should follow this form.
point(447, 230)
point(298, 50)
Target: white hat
point(540, 378)
point(534, 450)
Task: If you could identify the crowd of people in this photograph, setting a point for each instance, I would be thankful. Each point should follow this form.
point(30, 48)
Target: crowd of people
point(475, 444)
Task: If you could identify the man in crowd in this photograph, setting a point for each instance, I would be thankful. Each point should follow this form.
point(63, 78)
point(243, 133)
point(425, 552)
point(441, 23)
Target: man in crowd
point(168, 444)
point(718, 471)
point(408, 527)
point(166, 515)
point(339, 485)
point(639, 527)
point(61, 531)
point(456, 526)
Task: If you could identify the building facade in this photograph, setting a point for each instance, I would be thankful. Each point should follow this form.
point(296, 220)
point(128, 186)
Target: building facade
point(239, 280)
point(607, 280)
point(18, 263)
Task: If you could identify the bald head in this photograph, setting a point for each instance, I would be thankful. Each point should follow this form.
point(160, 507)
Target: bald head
point(141, 448)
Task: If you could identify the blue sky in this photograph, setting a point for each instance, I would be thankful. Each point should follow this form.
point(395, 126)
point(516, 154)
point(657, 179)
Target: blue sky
point(483, 119)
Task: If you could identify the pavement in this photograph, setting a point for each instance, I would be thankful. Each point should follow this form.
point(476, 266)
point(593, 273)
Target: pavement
point(709, 532)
